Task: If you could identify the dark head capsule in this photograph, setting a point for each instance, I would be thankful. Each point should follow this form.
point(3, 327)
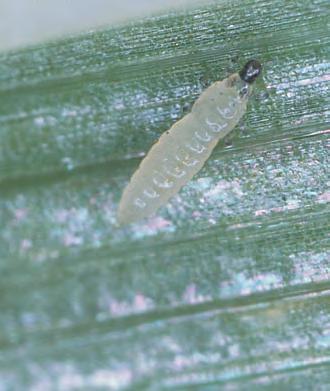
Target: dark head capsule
point(250, 71)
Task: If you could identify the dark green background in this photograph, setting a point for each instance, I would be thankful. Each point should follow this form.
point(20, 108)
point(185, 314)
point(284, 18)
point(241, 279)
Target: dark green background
point(228, 288)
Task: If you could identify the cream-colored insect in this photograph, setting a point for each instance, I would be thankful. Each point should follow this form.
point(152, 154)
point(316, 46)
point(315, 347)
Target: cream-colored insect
point(182, 150)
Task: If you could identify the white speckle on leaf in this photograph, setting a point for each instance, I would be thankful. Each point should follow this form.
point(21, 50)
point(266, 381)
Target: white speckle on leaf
point(20, 214)
point(72, 240)
point(141, 303)
point(26, 244)
point(191, 296)
point(152, 227)
point(234, 351)
point(69, 113)
point(196, 214)
point(243, 284)
point(158, 223)
point(310, 267)
point(68, 163)
point(261, 212)
point(201, 184)
point(39, 121)
point(119, 105)
point(61, 215)
point(66, 377)
point(324, 197)
point(302, 82)
point(113, 379)
point(223, 186)
point(290, 205)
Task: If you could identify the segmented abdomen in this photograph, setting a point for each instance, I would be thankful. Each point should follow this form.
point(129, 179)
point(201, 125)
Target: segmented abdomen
point(181, 152)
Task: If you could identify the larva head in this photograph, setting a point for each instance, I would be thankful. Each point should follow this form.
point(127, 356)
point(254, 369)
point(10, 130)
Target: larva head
point(250, 71)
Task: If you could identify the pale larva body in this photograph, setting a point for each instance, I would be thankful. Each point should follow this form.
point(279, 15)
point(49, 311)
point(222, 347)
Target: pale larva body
point(182, 150)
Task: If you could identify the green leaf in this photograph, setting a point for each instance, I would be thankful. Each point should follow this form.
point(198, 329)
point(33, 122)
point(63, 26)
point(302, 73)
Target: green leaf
point(228, 287)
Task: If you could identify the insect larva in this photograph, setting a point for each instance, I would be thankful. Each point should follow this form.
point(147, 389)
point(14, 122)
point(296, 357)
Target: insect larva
point(182, 150)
